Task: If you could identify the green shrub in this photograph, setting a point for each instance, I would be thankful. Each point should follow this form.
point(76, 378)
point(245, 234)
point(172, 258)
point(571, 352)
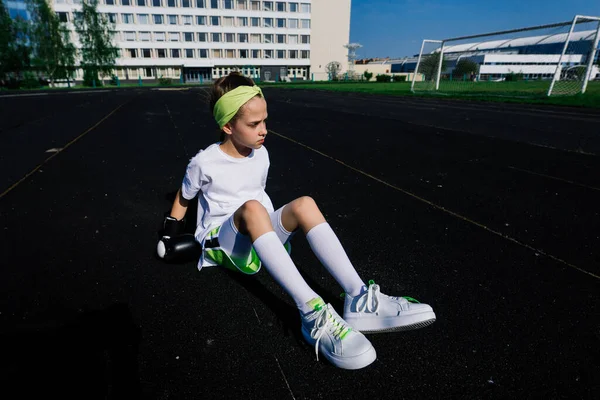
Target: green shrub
point(368, 75)
point(165, 81)
point(512, 77)
point(114, 80)
point(90, 77)
point(30, 81)
point(399, 78)
point(383, 78)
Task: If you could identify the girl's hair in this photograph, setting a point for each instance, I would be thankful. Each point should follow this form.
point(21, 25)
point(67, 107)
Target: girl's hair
point(224, 85)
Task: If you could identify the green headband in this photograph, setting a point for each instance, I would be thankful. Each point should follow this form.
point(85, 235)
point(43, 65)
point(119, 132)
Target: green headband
point(229, 104)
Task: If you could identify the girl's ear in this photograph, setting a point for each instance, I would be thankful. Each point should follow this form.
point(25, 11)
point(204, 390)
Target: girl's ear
point(227, 128)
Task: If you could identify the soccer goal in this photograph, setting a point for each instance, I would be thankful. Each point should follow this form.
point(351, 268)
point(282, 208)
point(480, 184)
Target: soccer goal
point(546, 60)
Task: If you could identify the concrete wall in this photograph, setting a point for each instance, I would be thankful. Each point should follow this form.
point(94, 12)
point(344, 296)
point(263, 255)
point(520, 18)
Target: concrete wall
point(330, 31)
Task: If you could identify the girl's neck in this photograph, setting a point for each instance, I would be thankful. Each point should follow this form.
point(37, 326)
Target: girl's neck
point(230, 148)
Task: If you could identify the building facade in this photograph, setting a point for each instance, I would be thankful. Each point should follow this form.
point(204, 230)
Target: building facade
point(198, 40)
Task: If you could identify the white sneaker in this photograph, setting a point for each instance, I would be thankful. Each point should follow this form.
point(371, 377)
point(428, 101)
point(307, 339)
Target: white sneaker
point(338, 343)
point(374, 311)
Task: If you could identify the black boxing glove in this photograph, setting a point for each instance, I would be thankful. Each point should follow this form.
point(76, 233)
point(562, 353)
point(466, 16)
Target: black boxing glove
point(179, 248)
point(173, 227)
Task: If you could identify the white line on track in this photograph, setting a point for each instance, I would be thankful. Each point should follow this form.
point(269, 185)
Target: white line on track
point(441, 208)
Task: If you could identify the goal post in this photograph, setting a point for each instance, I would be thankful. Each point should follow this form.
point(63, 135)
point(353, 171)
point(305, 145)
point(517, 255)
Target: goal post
point(546, 60)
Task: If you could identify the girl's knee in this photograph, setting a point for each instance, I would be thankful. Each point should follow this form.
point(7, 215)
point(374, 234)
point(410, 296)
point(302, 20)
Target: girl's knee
point(303, 205)
point(253, 208)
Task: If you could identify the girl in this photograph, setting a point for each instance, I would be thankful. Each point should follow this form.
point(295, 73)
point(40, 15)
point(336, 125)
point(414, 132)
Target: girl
point(240, 229)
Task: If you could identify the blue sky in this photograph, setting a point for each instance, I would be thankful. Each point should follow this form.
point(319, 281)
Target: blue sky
point(395, 28)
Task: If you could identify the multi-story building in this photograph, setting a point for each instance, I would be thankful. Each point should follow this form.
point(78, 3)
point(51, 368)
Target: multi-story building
point(198, 40)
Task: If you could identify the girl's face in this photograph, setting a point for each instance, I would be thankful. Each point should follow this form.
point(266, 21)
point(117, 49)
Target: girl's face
point(249, 129)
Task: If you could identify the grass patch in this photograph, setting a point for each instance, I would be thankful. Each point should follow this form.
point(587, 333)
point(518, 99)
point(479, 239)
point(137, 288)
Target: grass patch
point(532, 92)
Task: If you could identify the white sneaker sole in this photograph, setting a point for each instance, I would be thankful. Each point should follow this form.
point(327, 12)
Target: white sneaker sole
point(365, 324)
point(355, 362)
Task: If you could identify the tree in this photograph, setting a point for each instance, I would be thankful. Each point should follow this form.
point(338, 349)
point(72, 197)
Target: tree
point(14, 48)
point(429, 65)
point(53, 51)
point(465, 67)
point(333, 69)
point(98, 54)
point(368, 75)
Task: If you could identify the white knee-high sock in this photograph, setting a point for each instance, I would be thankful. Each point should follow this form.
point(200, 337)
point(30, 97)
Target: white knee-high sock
point(277, 261)
point(328, 249)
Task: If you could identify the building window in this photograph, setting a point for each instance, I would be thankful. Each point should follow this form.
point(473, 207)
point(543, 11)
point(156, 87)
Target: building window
point(147, 53)
point(200, 3)
point(112, 17)
point(63, 16)
point(255, 53)
point(174, 36)
point(127, 18)
point(186, 3)
point(243, 38)
point(187, 19)
point(255, 5)
point(228, 21)
point(215, 37)
point(304, 54)
point(159, 36)
point(215, 21)
point(216, 53)
point(161, 53)
point(157, 19)
point(268, 38)
point(243, 53)
point(293, 39)
point(280, 38)
point(255, 22)
point(203, 37)
point(305, 39)
point(281, 22)
point(242, 4)
point(305, 7)
point(132, 53)
point(293, 23)
point(229, 53)
point(125, 2)
point(148, 73)
point(228, 4)
point(255, 38)
point(280, 6)
point(214, 3)
point(268, 22)
point(293, 54)
point(189, 53)
point(107, 2)
point(267, 6)
point(144, 36)
point(230, 37)
point(141, 3)
point(129, 36)
point(156, 3)
point(268, 53)
point(172, 19)
point(280, 53)
point(293, 7)
point(175, 53)
point(202, 53)
point(305, 24)
point(171, 3)
point(143, 19)
point(188, 36)
point(242, 21)
point(200, 20)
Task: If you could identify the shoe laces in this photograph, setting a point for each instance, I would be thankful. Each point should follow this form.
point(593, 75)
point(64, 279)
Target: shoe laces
point(371, 302)
point(325, 322)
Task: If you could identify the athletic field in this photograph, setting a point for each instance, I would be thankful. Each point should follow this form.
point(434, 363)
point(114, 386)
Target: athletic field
point(488, 212)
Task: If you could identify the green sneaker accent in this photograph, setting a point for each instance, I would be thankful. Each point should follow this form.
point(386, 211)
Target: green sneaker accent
point(371, 282)
point(316, 304)
point(411, 299)
point(340, 331)
point(342, 295)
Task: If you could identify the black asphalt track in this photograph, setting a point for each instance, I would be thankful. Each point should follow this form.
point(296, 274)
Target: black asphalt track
point(488, 212)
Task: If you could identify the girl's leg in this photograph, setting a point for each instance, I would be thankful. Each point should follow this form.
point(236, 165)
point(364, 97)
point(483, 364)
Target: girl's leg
point(252, 219)
point(303, 213)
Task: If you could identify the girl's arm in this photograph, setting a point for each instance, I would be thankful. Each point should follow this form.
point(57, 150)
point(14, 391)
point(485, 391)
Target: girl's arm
point(180, 206)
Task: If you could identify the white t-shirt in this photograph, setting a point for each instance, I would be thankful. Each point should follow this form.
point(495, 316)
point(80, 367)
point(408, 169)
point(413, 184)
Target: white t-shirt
point(223, 183)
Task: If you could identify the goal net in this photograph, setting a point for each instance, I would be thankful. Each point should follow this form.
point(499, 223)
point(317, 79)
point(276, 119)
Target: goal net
point(555, 59)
